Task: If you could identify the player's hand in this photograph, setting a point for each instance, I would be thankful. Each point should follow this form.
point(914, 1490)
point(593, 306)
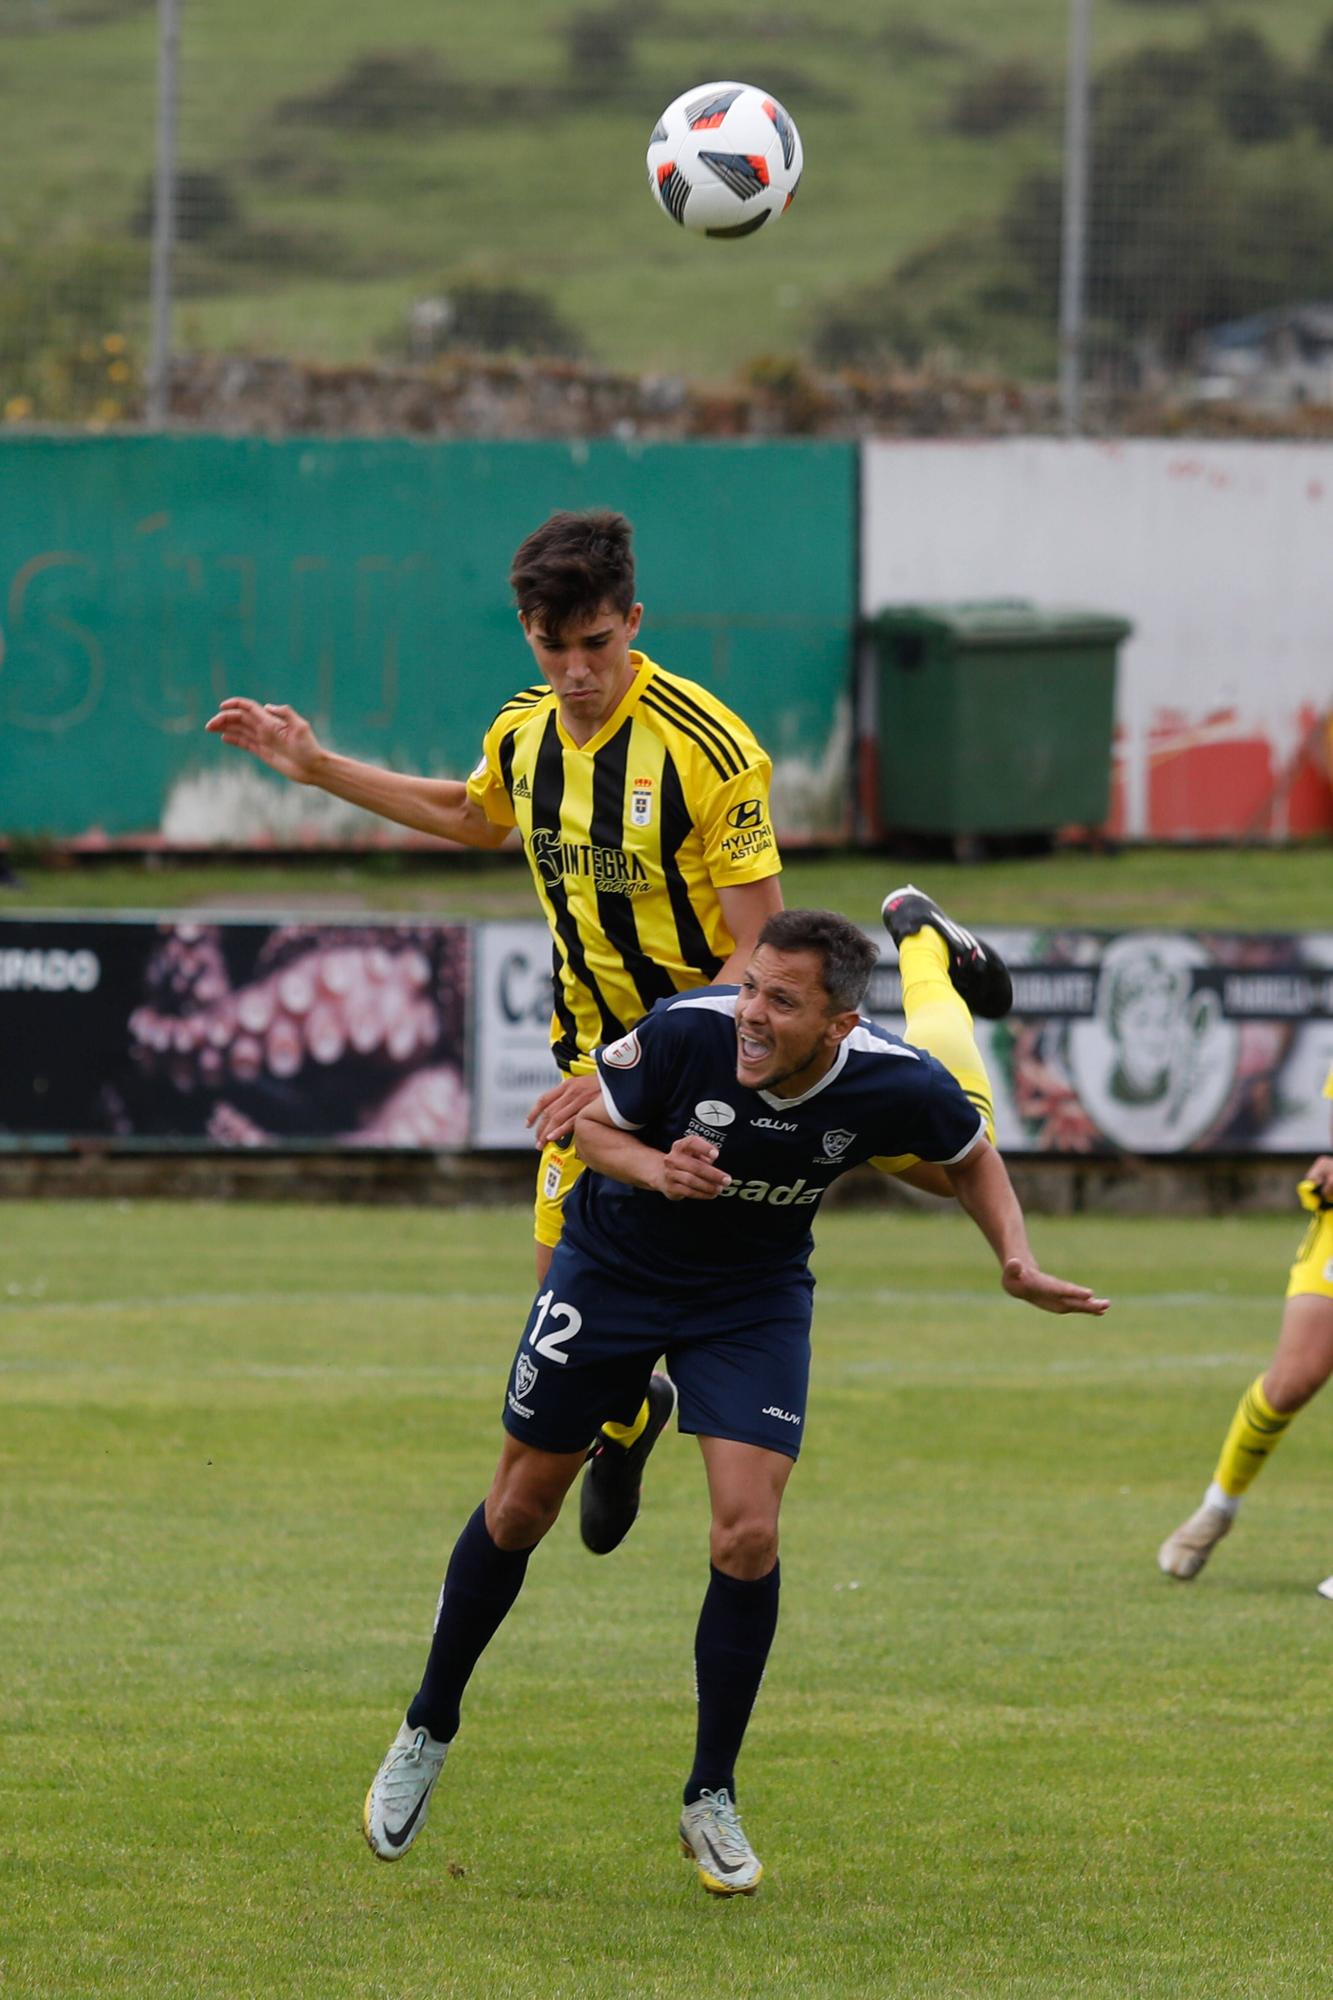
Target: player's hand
point(1048, 1294)
point(1321, 1173)
point(556, 1109)
point(688, 1173)
point(271, 731)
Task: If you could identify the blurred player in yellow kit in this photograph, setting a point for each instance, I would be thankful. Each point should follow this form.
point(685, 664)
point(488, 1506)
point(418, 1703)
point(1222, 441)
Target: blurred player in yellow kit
point(1302, 1363)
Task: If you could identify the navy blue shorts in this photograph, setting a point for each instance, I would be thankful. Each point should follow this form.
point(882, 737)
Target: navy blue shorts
point(740, 1362)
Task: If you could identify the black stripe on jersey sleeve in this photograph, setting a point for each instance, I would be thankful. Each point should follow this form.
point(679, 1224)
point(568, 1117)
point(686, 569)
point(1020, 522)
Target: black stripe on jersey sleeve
point(676, 827)
point(617, 912)
point(507, 763)
point(719, 731)
point(567, 1046)
point(548, 792)
point(525, 698)
point(687, 729)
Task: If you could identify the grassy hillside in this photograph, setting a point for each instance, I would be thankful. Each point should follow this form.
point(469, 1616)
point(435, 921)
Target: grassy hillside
point(508, 164)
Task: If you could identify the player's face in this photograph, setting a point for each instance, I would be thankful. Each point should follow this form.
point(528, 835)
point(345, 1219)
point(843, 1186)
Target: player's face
point(586, 662)
point(786, 1034)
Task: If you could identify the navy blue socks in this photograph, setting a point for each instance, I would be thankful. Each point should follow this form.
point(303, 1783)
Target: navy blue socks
point(731, 1645)
point(480, 1586)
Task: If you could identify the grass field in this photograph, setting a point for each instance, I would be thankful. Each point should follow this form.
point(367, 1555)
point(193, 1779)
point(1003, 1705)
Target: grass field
point(532, 172)
point(1246, 889)
point(996, 1753)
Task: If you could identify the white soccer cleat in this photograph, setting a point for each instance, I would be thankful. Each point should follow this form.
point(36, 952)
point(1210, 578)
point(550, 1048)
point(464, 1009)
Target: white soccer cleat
point(712, 1837)
point(398, 1800)
point(1184, 1554)
point(1325, 1588)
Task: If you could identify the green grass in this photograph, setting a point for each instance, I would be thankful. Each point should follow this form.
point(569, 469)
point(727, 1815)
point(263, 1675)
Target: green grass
point(1250, 889)
point(554, 197)
point(996, 1754)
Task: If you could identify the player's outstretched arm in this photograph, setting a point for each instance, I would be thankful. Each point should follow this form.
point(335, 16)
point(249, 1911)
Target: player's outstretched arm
point(686, 1173)
point(983, 1187)
point(284, 740)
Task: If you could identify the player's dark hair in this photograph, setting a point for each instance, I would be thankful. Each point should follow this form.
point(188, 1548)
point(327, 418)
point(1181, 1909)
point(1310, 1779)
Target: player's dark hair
point(847, 955)
point(572, 565)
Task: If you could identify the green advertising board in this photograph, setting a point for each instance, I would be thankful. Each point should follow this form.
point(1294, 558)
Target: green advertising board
point(364, 582)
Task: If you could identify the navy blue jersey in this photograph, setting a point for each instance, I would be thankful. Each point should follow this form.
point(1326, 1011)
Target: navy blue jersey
point(676, 1073)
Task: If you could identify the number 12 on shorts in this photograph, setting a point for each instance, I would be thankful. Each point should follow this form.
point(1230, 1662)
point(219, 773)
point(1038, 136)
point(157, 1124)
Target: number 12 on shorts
point(565, 1323)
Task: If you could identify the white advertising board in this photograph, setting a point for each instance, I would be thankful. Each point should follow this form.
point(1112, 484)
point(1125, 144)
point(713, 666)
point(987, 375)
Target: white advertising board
point(511, 1030)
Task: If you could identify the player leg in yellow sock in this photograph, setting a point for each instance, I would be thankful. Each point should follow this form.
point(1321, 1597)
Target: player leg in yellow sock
point(1256, 1430)
point(1301, 1365)
point(948, 974)
point(939, 1020)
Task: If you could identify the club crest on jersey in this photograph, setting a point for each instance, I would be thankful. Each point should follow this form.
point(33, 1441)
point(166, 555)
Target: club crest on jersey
point(624, 1053)
point(711, 1111)
point(836, 1143)
point(525, 1376)
point(641, 802)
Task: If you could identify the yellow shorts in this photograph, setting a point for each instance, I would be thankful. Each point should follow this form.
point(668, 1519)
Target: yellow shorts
point(557, 1171)
point(1313, 1269)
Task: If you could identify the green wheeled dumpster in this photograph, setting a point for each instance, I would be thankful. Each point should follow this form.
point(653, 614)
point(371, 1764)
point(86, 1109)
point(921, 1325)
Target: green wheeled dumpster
point(994, 717)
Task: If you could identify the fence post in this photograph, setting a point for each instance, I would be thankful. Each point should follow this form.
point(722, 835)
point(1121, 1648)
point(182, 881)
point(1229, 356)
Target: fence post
point(1074, 232)
point(164, 212)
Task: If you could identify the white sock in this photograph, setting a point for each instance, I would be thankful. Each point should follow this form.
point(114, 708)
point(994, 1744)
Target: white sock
point(1228, 1503)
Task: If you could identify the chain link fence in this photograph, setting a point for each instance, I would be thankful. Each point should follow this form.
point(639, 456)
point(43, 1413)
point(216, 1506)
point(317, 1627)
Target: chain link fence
point(389, 190)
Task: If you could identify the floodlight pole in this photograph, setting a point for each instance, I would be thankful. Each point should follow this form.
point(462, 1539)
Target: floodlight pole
point(1074, 232)
point(164, 212)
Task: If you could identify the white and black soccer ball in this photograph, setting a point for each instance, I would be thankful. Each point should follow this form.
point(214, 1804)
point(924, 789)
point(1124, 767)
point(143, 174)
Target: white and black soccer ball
point(724, 159)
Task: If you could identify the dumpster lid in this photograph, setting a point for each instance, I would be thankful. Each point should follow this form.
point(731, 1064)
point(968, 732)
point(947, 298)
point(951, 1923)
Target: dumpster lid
point(999, 621)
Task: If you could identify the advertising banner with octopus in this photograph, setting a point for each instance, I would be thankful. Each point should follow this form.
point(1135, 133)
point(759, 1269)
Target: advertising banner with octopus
point(234, 1034)
point(1157, 1041)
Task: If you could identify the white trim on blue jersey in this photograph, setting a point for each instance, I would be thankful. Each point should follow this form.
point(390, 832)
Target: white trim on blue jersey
point(616, 1117)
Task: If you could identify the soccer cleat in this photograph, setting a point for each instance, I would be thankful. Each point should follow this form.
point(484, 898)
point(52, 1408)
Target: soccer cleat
point(613, 1483)
point(399, 1799)
point(1184, 1554)
point(979, 975)
point(1325, 1588)
point(711, 1835)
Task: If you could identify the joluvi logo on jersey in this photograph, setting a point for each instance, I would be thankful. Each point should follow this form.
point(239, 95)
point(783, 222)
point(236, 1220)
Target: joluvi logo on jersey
point(611, 871)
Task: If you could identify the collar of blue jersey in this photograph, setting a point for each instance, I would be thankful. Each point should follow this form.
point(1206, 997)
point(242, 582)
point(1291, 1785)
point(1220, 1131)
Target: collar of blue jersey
point(834, 1069)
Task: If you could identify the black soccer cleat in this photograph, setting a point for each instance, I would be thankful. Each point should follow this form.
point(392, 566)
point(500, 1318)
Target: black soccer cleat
point(980, 976)
point(613, 1483)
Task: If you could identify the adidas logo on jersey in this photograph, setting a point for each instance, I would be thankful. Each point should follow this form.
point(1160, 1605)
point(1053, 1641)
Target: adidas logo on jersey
point(522, 789)
point(794, 1194)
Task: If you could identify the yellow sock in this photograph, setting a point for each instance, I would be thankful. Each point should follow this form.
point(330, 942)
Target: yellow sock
point(1256, 1430)
point(625, 1434)
point(939, 1019)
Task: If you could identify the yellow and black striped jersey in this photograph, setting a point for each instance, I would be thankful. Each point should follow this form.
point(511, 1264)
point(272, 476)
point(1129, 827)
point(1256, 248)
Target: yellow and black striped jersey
point(629, 837)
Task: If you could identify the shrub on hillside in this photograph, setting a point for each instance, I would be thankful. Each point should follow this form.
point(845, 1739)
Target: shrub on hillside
point(999, 98)
point(382, 90)
point(599, 46)
point(477, 318)
point(1256, 96)
point(64, 353)
point(1317, 87)
point(205, 206)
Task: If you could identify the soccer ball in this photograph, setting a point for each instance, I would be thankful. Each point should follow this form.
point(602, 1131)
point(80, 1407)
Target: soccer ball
point(724, 158)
